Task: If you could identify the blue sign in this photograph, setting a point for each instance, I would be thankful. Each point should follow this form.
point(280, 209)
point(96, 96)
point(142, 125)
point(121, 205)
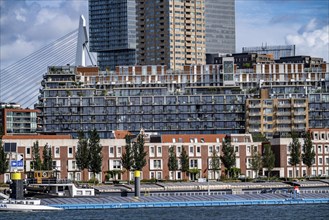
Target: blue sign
point(17, 163)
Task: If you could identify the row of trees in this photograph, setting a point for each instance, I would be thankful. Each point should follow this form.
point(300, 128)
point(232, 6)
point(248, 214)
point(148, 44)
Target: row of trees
point(267, 160)
point(258, 161)
point(134, 157)
point(37, 163)
point(89, 152)
point(307, 156)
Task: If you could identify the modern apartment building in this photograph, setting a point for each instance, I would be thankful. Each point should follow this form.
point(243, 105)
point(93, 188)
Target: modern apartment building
point(112, 32)
point(277, 116)
point(220, 26)
point(171, 33)
point(276, 50)
point(15, 120)
point(203, 99)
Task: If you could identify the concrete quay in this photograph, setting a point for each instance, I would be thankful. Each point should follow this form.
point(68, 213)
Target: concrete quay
point(204, 186)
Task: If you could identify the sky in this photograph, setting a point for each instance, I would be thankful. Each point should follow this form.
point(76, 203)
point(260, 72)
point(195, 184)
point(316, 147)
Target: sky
point(28, 25)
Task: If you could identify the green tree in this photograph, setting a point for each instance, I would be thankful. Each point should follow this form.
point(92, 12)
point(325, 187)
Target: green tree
point(36, 160)
point(295, 152)
point(4, 162)
point(139, 153)
point(256, 161)
point(228, 156)
point(47, 163)
point(259, 137)
point(95, 153)
point(184, 161)
point(172, 160)
point(268, 159)
point(215, 162)
point(309, 154)
point(127, 159)
point(82, 154)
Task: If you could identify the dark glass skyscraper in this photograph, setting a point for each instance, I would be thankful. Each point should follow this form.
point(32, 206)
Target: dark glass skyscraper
point(220, 26)
point(112, 32)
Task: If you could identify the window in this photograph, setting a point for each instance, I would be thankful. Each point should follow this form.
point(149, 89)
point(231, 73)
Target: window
point(157, 164)
point(320, 160)
point(159, 150)
point(151, 150)
point(248, 149)
point(111, 150)
point(198, 150)
point(28, 152)
point(159, 175)
point(119, 151)
point(236, 149)
point(319, 149)
point(117, 164)
point(57, 152)
point(316, 136)
point(193, 163)
point(70, 152)
point(179, 175)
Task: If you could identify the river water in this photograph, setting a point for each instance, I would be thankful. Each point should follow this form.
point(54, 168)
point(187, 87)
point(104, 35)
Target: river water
point(291, 212)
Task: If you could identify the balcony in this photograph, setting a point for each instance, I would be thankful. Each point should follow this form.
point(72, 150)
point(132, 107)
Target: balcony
point(254, 130)
point(283, 113)
point(283, 129)
point(254, 106)
point(299, 113)
point(283, 121)
point(283, 105)
point(254, 121)
point(299, 121)
point(254, 114)
point(296, 105)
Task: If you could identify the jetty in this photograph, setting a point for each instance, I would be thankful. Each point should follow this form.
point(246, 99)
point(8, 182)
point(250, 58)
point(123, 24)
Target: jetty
point(192, 199)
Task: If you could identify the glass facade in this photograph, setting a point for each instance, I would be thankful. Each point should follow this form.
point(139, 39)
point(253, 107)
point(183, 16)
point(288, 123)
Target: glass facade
point(277, 51)
point(112, 31)
point(220, 26)
point(20, 122)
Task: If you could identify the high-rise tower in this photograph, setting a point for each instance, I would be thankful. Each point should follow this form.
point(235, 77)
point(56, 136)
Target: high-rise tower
point(220, 26)
point(112, 30)
point(170, 33)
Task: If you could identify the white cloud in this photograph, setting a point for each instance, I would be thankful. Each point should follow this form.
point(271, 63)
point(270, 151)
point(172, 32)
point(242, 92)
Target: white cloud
point(310, 26)
point(20, 14)
point(313, 43)
point(19, 49)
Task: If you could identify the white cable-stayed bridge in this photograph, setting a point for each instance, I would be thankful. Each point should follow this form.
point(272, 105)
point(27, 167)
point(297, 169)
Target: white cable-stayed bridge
point(20, 82)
